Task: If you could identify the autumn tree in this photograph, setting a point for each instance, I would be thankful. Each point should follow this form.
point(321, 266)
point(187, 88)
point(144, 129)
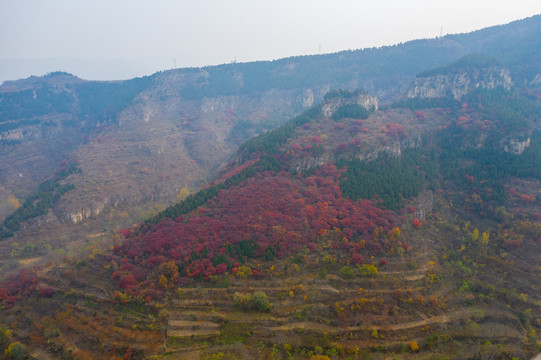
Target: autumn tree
point(16, 351)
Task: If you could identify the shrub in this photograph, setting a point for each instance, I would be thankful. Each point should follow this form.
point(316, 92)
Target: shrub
point(46, 292)
point(414, 346)
point(5, 336)
point(16, 351)
point(347, 273)
point(260, 301)
point(328, 260)
point(243, 272)
point(357, 259)
point(368, 270)
point(242, 301)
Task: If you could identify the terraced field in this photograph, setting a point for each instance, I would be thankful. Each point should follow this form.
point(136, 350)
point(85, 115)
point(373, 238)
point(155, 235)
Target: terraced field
point(388, 314)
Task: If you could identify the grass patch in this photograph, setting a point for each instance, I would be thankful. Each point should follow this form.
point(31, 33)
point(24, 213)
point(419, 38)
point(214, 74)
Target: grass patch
point(180, 341)
point(231, 333)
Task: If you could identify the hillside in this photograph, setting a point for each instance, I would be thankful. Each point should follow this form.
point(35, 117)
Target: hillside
point(453, 268)
point(409, 231)
point(142, 144)
point(203, 213)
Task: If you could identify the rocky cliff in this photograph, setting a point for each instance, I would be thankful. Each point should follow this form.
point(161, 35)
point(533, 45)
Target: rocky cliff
point(459, 84)
point(367, 101)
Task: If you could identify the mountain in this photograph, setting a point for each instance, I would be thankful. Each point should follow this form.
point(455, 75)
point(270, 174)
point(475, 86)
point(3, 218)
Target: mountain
point(406, 230)
point(141, 144)
point(400, 220)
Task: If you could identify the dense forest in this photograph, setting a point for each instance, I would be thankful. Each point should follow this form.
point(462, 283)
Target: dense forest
point(390, 180)
point(270, 215)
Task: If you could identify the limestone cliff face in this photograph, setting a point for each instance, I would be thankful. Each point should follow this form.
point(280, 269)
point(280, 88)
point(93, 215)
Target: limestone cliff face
point(459, 84)
point(85, 211)
point(308, 98)
point(394, 149)
point(369, 151)
point(517, 146)
point(366, 101)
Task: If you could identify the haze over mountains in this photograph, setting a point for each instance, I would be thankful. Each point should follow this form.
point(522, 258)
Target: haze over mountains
point(82, 160)
point(189, 121)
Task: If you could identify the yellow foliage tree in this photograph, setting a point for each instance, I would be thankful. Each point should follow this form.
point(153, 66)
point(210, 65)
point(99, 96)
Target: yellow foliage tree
point(163, 282)
point(484, 239)
point(170, 270)
point(414, 346)
point(13, 202)
point(183, 193)
point(5, 337)
point(243, 272)
point(368, 270)
point(395, 233)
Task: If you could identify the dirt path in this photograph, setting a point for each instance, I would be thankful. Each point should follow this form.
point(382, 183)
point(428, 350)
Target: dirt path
point(391, 327)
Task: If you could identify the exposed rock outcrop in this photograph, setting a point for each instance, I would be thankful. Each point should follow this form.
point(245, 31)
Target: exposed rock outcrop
point(424, 203)
point(93, 209)
point(366, 101)
point(459, 84)
point(516, 146)
point(12, 135)
point(369, 152)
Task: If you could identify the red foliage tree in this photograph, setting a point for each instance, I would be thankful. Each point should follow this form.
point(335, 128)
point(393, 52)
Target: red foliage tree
point(46, 292)
point(396, 130)
point(273, 211)
point(16, 286)
point(357, 259)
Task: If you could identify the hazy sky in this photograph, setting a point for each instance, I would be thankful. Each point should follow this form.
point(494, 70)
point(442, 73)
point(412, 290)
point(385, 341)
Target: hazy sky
point(118, 39)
